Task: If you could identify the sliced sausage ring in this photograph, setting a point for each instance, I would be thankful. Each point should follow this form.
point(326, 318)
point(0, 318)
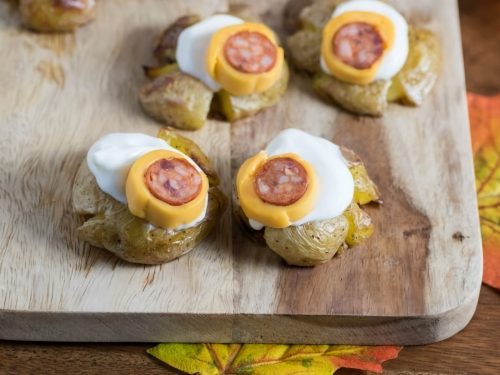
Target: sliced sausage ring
point(353, 45)
point(245, 58)
point(281, 181)
point(174, 180)
point(250, 52)
point(358, 44)
point(166, 188)
point(278, 190)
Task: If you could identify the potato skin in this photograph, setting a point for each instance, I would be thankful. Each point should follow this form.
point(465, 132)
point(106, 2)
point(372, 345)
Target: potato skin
point(177, 99)
point(110, 225)
point(365, 190)
point(315, 16)
point(421, 70)
point(309, 244)
point(237, 107)
point(368, 99)
point(167, 41)
point(191, 149)
point(56, 15)
point(304, 50)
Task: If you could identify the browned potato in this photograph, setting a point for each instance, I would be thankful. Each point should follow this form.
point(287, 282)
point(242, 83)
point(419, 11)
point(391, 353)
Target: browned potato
point(56, 15)
point(237, 107)
point(365, 190)
point(368, 99)
point(408, 87)
point(308, 244)
point(110, 225)
point(317, 242)
point(180, 100)
point(167, 41)
point(304, 50)
point(177, 99)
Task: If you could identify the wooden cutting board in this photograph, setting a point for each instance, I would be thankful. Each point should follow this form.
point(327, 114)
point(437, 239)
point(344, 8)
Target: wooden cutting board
point(415, 281)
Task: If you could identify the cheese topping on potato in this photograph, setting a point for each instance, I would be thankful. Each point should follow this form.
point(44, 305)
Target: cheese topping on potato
point(157, 182)
point(166, 189)
point(298, 178)
point(364, 40)
point(225, 52)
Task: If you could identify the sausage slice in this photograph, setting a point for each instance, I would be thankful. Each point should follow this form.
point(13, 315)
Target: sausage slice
point(174, 181)
point(358, 44)
point(250, 52)
point(281, 181)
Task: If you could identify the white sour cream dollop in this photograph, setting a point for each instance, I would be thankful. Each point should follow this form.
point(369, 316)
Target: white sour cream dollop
point(336, 185)
point(193, 43)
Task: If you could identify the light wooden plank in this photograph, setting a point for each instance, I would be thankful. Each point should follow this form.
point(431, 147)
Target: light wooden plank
point(416, 280)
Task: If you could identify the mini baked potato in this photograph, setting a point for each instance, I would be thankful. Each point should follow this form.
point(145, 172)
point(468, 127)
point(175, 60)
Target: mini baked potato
point(177, 98)
point(110, 225)
point(236, 107)
point(180, 100)
point(308, 244)
point(56, 15)
point(408, 87)
point(315, 241)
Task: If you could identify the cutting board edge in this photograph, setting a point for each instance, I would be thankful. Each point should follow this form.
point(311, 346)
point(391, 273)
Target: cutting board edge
point(240, 328)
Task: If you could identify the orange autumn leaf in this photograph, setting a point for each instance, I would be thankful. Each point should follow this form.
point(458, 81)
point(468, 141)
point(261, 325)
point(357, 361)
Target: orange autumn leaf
point(269, 359)
point(484, 115)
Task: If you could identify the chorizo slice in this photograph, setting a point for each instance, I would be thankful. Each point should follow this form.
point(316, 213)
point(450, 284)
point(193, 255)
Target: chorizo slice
point(250, 52)
point(281, 181)
point(174, 181)
point(358, 44)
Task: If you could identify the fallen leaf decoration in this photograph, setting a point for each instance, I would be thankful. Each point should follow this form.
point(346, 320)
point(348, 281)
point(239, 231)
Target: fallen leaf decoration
point(269, 359)
point(484, 115)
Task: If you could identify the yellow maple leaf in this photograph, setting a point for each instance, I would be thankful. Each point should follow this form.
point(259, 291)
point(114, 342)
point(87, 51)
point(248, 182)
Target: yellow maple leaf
point(485, 133)
point(268, 359)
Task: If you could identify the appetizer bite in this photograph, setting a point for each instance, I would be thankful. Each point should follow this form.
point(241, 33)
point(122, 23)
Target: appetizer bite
point(147, 199)
point(56, 15)
point(301, 195)
point(362, 54)
point(219, 65)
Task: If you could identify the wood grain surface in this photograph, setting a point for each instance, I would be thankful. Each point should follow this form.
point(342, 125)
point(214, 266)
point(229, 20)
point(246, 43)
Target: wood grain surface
point(472, 351)
point(416, 280)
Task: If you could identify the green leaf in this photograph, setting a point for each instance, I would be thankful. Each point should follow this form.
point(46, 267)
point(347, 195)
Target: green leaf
point(268, 359)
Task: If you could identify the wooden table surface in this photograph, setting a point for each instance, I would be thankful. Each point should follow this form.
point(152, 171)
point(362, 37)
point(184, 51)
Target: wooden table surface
point(475, 350)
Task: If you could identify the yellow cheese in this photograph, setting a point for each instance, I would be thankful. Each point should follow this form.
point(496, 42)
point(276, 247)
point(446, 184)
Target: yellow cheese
point(145, 205)
point(336, 66)
point(234, 81)
point(268, 214)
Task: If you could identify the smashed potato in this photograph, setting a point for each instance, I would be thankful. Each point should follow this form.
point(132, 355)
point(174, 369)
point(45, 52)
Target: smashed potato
point(308, 244)
point(185, 102)
point(236, 107)
point(177, 99)
point(408, 87)
point(368, 99)
point(365, 190)
point(110, 225)
point(317, 242)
